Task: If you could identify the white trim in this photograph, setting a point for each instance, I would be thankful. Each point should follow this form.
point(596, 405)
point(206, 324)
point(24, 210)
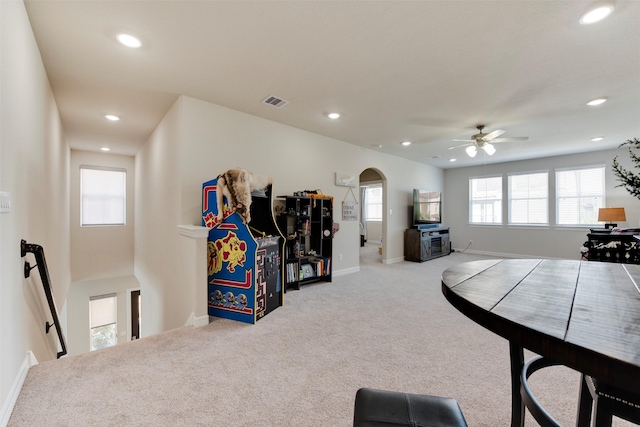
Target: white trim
point(393, 260)
point(197, 321)
point(14, 392)
point(200, 321)
point(345, 271)
point(193, 231)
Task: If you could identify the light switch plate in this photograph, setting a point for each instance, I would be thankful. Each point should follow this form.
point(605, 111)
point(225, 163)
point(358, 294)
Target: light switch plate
point(5, 202)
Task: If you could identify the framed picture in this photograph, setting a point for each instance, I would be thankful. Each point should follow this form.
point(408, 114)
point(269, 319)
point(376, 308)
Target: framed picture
point(345, 179)
point(307, 271)
point(349, 210)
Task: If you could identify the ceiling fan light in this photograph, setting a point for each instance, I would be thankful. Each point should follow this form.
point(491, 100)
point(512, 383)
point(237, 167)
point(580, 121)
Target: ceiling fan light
point(489, 149)
point(471, 151)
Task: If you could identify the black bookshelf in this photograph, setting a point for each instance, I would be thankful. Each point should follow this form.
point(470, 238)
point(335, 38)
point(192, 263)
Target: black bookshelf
point(307, 224)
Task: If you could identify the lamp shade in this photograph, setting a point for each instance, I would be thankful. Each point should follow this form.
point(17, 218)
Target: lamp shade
point(490, 149)
point(471, 151)
point(611, 214)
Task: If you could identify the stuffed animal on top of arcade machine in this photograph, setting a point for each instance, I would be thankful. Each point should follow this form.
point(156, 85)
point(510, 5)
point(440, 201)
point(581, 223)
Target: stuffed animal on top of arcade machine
point(236, 185)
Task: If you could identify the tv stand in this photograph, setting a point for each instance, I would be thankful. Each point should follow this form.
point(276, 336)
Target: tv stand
point(425, 243)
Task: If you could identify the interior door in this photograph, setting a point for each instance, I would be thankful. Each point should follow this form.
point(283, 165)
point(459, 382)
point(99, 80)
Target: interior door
point(135, 314)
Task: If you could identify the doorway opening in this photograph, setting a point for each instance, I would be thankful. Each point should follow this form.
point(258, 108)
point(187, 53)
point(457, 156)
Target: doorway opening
point(372, 216)
point(134, 307)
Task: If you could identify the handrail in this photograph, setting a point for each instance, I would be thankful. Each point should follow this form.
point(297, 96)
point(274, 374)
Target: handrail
point(38, 252)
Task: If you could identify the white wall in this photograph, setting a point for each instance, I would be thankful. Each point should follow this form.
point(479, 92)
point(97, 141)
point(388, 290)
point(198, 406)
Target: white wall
point(164, 286)
point(104, 251)
point(551, 241)
point(374, 232)
point(34, 168)
point(78, 335)
point(101, 257)
point(205, 140)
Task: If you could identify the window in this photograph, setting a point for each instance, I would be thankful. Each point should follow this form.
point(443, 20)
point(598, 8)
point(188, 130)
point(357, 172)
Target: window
point(103, 314)
point(102, 196)
point(373, 202)
point(529, 198)
point(485, 200)
point(579, 195)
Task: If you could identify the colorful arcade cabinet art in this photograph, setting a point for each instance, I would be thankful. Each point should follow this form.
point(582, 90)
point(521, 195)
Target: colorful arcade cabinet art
point(244, 271)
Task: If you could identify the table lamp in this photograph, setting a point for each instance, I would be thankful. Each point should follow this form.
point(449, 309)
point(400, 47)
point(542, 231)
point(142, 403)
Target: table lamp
point(609, 215)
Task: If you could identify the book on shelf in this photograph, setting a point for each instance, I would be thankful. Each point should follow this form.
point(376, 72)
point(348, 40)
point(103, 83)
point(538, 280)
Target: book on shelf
point(321, 266)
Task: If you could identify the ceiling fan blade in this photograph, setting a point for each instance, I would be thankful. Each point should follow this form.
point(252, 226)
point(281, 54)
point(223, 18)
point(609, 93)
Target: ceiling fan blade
point(494, 134)
point(459, 146)
point(463, 140)
point(512, 138)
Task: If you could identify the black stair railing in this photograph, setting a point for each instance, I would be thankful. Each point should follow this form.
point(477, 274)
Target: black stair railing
point(41, 263)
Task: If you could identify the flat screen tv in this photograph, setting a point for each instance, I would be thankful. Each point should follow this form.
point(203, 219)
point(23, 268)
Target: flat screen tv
point(427, 207)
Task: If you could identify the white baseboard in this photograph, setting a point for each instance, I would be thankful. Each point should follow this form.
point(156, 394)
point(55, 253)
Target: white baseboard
point(197, 321)
point(393, 260)
point(7, 407)
point(200, 321)
point(345, 271)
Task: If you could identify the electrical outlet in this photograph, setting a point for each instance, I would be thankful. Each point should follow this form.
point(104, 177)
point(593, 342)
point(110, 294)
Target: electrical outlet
point(340, 257)
point(5, 202)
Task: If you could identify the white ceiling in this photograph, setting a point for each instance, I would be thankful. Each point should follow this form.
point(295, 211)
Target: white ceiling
point(424, 71)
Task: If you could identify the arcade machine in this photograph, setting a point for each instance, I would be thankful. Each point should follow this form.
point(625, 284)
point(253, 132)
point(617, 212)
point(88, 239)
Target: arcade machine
point(245, 262)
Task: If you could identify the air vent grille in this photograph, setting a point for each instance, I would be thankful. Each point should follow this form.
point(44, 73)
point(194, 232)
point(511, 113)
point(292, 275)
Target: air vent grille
point(274, 101)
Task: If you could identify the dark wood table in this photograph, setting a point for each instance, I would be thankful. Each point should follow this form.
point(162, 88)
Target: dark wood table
point(584, 315)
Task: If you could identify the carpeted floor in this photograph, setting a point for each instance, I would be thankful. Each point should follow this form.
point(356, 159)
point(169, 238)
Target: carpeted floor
point(386, 327)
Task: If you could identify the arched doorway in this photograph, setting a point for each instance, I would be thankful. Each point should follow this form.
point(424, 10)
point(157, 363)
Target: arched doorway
point(372, 215)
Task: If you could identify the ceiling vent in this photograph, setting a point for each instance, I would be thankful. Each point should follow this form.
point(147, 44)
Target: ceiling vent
point(274, 101)
point(435, 157)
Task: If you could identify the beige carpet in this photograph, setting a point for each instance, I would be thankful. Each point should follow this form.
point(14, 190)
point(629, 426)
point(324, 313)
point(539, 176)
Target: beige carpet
point(387, 327)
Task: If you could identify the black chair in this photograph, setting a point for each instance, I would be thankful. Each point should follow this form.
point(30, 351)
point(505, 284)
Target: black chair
point(537, 411)
point(605, 401)
point(608, 401)
point(381, 408)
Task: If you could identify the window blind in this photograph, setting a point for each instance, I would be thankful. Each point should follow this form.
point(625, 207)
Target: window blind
point(529, 198)
point(103, 196)
point(579, 195)
point(485, 200)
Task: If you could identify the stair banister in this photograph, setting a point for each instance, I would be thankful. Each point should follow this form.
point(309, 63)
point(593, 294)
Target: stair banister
point(41, 263)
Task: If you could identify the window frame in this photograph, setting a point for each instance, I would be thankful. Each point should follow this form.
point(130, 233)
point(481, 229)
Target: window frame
point(124, 196)
point(498, 209)
point(510, 199)
point(113, 296)
point(367, 202)
point(603, 196)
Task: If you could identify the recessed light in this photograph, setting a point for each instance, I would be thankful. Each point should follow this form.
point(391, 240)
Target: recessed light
point(597, 138)
point(597, 14)
point(105, 149)
point(129, 40)
point(452, 160)
point(597, 101)
point(112, 117)
point(405, 143)
point(333, 115)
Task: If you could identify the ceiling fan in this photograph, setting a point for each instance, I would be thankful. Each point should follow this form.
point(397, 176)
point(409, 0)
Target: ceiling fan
point(485, 141)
